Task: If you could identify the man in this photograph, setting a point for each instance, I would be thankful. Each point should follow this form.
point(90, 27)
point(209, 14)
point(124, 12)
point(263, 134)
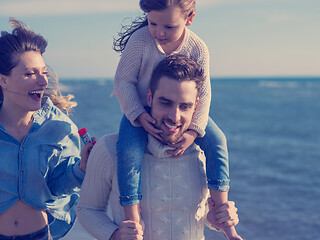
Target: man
point(174, 190)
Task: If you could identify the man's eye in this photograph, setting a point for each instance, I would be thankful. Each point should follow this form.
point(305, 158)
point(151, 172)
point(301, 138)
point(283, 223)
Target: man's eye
point(30, 74)
point(185, 107)
point(165, 103)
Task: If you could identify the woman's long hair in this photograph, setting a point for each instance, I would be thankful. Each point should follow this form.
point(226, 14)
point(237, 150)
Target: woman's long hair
point(23, 39)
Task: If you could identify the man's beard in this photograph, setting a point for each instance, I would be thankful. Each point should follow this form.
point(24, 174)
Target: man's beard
point(168, 138)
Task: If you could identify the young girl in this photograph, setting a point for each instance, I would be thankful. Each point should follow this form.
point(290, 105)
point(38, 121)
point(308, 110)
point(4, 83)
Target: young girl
point(144, 44)
point(40, 166)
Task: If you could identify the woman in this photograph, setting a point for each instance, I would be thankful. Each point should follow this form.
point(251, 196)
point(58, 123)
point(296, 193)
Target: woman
point(40, 167)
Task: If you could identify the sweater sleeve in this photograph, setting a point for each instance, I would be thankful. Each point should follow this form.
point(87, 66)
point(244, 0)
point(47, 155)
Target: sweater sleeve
point(126, 77)
point(95, 192)
point(200, 118)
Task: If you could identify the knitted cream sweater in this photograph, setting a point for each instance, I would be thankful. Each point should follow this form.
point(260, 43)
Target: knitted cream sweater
point(141, 55)
point(174, 193)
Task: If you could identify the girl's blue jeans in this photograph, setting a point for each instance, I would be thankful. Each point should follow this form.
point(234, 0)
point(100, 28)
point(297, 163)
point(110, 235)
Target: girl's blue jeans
point(131, 145)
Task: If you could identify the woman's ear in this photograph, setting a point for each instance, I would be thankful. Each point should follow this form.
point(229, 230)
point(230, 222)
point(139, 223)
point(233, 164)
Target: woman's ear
point(190, 19)
point(149, 98)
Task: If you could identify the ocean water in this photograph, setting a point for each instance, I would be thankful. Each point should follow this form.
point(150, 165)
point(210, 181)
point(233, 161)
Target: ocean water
point(273, 131)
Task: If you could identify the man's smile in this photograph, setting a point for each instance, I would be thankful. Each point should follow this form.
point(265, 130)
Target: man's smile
point(171, 127)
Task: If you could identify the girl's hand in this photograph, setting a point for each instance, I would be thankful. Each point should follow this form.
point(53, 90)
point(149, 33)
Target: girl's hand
point(147, 123)
point(183, 143)
point(85, 154)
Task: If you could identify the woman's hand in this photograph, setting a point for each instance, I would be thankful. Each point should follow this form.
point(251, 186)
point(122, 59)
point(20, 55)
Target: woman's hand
point(85, 154)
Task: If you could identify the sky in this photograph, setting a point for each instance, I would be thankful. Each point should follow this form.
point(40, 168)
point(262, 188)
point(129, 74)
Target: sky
point(246, 38)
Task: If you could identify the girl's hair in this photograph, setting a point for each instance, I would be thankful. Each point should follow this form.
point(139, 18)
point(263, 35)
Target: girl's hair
point(187, 8)
point(23, 39)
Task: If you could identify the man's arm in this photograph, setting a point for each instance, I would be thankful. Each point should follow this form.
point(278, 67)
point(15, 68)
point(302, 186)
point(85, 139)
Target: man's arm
point(95, 191)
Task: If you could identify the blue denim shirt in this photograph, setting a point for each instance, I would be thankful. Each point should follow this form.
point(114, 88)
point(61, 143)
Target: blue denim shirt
point(43, 170)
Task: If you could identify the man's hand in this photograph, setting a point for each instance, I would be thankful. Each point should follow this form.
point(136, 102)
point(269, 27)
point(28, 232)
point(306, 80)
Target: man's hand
point(128, 230)
point(224, 216)
point(183, 143)
point(147, 123)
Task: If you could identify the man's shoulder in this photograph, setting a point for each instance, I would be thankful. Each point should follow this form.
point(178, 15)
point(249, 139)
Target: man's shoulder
point(109, 138)
point(105, 147)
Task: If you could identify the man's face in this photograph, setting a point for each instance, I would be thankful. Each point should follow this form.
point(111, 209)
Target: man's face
point(172, 106)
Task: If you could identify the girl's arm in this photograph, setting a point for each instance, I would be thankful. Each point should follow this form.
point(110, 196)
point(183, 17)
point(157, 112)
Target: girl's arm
point(126, 78)
point(200, 117)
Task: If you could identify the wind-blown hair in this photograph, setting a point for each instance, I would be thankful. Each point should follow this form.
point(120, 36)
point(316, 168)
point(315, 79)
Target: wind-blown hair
point(187, 8)
point(180, 68)
point(23, 39)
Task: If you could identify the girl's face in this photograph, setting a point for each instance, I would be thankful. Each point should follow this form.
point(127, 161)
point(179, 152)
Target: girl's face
point(167, 26)
point(23, 89)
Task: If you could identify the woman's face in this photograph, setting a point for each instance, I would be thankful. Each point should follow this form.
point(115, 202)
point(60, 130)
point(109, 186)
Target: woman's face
point(23, 89)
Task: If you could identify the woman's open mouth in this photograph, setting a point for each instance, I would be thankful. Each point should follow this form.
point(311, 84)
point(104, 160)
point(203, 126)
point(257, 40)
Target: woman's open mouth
point(36, 95)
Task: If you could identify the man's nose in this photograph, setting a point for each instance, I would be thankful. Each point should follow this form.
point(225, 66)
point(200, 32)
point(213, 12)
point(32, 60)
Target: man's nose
point(175, 115)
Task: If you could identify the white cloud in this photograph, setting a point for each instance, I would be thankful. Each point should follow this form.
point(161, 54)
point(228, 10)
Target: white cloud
point(64, 7)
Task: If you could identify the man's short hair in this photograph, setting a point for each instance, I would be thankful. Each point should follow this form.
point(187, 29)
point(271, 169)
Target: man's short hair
point(177, 67)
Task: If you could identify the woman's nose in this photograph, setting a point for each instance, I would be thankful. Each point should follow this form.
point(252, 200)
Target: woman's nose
point(43, 80)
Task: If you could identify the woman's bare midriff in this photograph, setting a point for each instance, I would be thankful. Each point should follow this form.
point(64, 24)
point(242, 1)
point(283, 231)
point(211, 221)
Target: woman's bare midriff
point(22, 219)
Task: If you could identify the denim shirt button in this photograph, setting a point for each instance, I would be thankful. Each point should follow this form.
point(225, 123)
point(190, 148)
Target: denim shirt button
point(21, 149)
point(21, 173)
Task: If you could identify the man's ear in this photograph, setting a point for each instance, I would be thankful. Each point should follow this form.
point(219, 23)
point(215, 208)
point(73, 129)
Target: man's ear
point(197, 101)
point(3, 81)
point(149, 98)
point(190, 19)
